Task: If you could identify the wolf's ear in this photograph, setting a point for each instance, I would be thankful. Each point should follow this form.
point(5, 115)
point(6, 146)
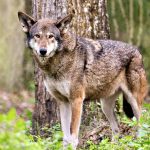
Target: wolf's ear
point(26, 21)
point(62, 23)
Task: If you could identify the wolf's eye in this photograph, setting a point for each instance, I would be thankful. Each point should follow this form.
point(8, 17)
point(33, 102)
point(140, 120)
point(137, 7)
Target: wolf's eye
point(37, 36)
point(50, 36)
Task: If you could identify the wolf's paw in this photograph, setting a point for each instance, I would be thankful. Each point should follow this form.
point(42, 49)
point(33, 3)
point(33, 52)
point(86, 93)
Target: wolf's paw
point(70, 141)
point(115, 135)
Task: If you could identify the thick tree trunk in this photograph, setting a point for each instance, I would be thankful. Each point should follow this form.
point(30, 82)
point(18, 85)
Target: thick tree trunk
point(46, 111)
point(90, 18)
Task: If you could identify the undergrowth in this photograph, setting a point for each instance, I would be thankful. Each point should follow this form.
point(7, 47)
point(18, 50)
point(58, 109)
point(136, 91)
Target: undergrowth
point(15, 135)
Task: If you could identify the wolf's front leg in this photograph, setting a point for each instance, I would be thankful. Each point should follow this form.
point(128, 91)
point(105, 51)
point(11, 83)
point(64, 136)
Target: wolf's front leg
point(65, 115)
point(76, 106)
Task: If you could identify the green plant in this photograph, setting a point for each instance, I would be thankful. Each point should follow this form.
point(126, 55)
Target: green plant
point(142, 142)
point(14, 135)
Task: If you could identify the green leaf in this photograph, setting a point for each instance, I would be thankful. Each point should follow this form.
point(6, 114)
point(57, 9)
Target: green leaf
point(11, 115)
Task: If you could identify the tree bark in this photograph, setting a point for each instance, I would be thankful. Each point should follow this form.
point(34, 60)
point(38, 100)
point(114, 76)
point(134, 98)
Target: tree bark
point(90, 20)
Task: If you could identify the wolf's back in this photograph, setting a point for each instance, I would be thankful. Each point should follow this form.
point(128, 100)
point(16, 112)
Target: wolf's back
point(118, 49)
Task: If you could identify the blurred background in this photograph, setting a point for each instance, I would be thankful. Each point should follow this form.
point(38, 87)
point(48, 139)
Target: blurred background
point(129, 21)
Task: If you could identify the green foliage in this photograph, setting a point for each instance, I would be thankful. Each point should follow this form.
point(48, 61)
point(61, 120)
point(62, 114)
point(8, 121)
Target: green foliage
point(129, 142)
point(31, 86)
point(13, 135)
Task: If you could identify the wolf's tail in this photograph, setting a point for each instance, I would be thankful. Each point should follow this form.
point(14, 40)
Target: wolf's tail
point(127, 108)
point(135, 87)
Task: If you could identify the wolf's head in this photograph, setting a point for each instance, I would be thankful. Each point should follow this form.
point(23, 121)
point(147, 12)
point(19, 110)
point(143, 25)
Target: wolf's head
point(44, 35)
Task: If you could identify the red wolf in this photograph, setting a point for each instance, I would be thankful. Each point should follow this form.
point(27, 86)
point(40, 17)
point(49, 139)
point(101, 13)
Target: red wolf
point(77, 68)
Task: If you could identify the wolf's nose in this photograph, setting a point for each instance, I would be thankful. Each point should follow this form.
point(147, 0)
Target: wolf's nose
point(43, 51)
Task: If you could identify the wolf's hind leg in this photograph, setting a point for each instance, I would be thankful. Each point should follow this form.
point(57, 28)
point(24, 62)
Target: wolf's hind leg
point(108, 109)
point(131, 99)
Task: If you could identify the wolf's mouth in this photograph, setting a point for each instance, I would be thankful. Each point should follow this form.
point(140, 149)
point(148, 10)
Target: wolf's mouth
point(43, 59)
point(43, 56)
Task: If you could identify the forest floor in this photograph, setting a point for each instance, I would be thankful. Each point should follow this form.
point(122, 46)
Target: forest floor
point(95, 129)
point(22, 101)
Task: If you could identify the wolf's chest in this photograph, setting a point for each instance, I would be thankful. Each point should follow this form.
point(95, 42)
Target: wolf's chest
point(60, 86)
